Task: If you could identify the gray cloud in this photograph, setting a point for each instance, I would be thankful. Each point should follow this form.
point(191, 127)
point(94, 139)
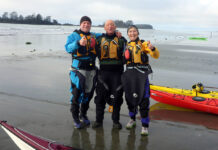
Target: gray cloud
point(163, 12)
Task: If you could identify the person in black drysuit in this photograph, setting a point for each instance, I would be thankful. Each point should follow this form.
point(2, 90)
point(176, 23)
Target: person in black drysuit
point(135, 79)
point(109, 89)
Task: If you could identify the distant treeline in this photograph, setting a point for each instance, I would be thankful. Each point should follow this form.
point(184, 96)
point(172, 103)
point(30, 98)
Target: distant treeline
point(122, 24)
point(14, 17)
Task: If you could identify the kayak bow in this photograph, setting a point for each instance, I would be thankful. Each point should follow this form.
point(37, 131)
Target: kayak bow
point(27, 141)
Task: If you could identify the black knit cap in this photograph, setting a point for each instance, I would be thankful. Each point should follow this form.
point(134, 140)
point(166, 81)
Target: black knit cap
point(85, 18)
point(132, 26)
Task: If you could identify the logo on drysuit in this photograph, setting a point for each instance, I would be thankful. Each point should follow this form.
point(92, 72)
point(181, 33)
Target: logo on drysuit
point(112, 96)
point(135, 95)
point(109, 49)
point(134, 53)
point(110, 108)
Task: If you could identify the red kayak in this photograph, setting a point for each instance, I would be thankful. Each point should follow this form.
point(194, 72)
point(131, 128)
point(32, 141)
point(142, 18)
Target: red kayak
point(209, 105)
point(27, 141)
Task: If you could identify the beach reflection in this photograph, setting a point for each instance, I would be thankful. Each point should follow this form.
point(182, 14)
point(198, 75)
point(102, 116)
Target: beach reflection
point(81, 139)
point(132, 144)
point(95, 139)
point(115, 140)
point(131, 140)
point(112, 139)
point(161, 111)
point(143, 143)
point(99, 139)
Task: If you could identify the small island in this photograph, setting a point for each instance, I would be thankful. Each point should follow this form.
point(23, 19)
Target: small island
point(122, 24)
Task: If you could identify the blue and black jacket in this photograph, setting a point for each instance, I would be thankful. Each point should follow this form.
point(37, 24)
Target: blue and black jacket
point(83, 57)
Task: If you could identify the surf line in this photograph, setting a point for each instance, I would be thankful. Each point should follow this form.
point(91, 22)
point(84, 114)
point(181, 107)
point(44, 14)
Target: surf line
point(197, 51)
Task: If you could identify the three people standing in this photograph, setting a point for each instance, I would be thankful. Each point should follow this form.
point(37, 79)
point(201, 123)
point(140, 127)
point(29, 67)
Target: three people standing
point(112, 53)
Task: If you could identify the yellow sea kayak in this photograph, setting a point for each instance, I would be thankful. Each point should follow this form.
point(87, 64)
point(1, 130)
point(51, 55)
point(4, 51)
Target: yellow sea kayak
point(195, 91)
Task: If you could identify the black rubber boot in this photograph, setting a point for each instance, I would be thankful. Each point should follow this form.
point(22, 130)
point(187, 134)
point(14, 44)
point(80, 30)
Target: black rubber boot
point(117, 125)
point(96, 124)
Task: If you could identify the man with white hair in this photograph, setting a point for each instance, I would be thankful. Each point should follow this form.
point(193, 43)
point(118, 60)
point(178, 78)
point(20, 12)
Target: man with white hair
point(109, 90)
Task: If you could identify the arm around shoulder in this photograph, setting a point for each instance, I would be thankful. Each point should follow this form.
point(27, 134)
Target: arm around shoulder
point(123, 42)
point(96, 34)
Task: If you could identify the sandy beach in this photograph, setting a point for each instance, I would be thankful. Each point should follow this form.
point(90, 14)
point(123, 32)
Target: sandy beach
point(34, 96)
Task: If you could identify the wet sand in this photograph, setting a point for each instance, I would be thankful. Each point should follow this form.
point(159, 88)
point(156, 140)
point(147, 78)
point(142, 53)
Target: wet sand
point(34, 96)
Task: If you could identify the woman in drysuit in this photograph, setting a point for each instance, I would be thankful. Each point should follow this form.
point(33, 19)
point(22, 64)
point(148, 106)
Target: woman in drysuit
point(135, 78)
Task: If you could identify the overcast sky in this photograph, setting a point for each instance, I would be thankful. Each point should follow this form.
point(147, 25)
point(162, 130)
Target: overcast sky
point(159, 13)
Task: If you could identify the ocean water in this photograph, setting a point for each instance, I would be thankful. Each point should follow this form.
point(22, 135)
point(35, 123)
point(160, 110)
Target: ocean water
point(13, 37)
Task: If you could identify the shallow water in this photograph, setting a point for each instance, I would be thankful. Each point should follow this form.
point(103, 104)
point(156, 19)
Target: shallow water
point(13, 37)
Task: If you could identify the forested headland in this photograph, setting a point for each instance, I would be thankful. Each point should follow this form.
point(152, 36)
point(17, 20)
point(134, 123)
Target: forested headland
point(14, 17)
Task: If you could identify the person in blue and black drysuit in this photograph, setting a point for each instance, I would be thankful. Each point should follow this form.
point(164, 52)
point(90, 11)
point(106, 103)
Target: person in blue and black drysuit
point(81, 45)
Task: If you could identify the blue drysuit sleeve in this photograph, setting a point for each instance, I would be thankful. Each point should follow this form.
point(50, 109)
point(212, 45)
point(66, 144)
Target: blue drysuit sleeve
point(72, 42)
point(96, 34)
